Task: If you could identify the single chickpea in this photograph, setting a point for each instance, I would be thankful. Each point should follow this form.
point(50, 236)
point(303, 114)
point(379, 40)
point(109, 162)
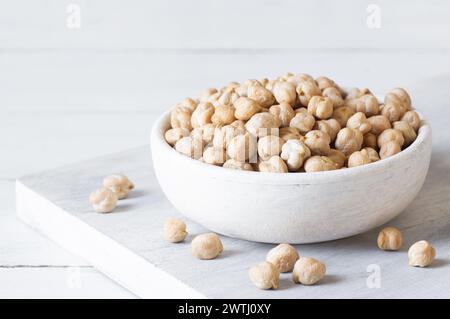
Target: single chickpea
point(181, 117)
point(421, 254)
point(175, 230)
point(390, 238)
point(223, 115)
point(233, 164)
point(297, 79)
point(242, 147)
point(206, 246)
point(342, 114)
point(321, 107)
point(262, 124)
point(334, 95)
point(388, 149)
point(190, 146)
point(323, 83)
point(393, 112)
point(337, 157)
point(209, 95)
point(319, 163)
point(174, 134)
point(283, 257)
point(103, 200)
point(245, 108)
point(242, 89)
point(370, 140)
point(368, 104)
point(318, 142)
point(408, 132)
point(269, 146)
point(260, 94)
point(295, 152)
point(348, 141)
point(204, 133)
point(308, 271)
point(189, 104)
point(391, 135)
point(304, 122)
point(398, 96)
point(228, 98)
point(358, 158)
point(284, 112)
point(306, 89)
point(119, 184)
point(373, 154)
point(284, 92)
point(379, 124)
point(265, 276)
point(359, 122)
point(413, 119)
point(202, 114)
point(214, 155)
point(356, 93)
point(223, 136)
point(289, 133)
point(275, 164)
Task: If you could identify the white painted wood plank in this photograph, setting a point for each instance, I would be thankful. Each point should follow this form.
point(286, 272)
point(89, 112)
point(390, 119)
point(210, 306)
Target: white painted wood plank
point(59, 283)
point(224, 24)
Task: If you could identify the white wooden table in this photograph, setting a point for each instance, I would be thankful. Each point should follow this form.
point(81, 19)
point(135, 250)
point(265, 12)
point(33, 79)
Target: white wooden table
point(68, 95)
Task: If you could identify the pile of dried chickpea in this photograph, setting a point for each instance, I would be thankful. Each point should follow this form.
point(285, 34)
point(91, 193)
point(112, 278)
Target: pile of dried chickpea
point(294, 123)
point(285, 258)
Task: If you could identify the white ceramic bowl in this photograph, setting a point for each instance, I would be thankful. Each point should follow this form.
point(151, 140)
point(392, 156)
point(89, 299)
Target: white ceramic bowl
point(293, 207)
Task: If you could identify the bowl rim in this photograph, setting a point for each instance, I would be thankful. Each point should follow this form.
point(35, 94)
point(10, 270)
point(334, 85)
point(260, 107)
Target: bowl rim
point(159, 143)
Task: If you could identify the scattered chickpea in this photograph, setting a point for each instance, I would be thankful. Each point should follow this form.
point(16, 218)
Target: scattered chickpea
point(174, 134)
point(390, 238)
point(284, 112)
point(318, 142)
point(391, 135)
point(119, 184)
point(413, 119)
point(389, 149)
point(321, 107)
point(348, 141)
point(265, 276)
point(421, 254)
point(408, 132)
point(304, 122)
point(283, 257)
point(269, 146)
point(103, 200)
point(359, 122)
point(245, 108)
point(175, 230)
point(308, 271)
point(233, 164)
point(295, 152)
point(319, 163)
point(379, 124)
point(275, 164)
point(206, 246)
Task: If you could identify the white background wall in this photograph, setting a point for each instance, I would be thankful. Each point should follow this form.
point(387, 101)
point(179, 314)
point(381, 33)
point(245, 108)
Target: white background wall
point(70, 94)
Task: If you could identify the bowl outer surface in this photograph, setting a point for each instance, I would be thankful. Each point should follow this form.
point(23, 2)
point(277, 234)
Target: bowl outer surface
point(294, 207)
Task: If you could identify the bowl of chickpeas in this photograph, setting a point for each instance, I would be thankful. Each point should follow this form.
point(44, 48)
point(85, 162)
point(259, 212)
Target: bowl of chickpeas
point(295, 159)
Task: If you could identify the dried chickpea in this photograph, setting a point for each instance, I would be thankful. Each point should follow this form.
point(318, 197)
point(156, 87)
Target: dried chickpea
point(388, 149)
point(334, 95)
point(223, 135)
point(223, 115)
point(260, 94)
point(390, 238)
point(202, 114)
point(358, 158)
point(308, 271)
point(103, 200)
point(119, 184)
point(306, 89)
point(390, 135)
point(370, 140)
point(275, 164)
point(262, 124)
point(269, 146)
point(393, 112)
point(368, 104)
point(233, 164)
point(174, 134)
point(283, 257)
point(227, 98)
point(284, 112)
point(245, 108)
point(348, 141)
point(304, 122)
point(400, 97)
point(189, 104)
point(204, 133)
point(359, 122)
point(413, 119)
point(337, 157)
point(181, 117)
point(208, 95)
point(289, 133)
point(206, 246)
point(421, 254)
point(175, 230)
point(242, 147)
point(265, 276)
point(321, 107)
point(356, 93)
point(190, 146)
point(342, 114)
point(297, 79)
point(319, 163)
point(373, 154)
point(284, 92)
point(214, 155)
point(408, 132)
point(318, 142)
point(379, 124)
point(295, 152)
point(323, 83)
